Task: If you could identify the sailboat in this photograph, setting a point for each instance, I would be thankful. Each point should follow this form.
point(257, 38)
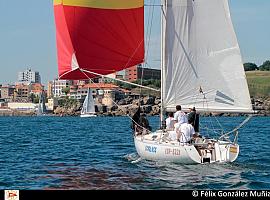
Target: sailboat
point(201, 64)
point(202, 68)
point(88, 108)
point(41, 109)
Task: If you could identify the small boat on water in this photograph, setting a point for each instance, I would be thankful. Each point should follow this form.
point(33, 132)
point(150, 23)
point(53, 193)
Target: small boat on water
point(41, 109)
point(88, 108)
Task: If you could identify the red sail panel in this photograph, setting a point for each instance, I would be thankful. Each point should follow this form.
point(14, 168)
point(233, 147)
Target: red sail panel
point(97, 40)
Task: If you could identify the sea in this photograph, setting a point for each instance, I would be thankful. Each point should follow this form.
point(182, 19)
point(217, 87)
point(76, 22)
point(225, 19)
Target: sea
point(72, 153)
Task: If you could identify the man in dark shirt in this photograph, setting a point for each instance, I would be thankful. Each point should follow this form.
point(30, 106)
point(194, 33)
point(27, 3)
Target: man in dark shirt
point(193, 117)
point(143, 121)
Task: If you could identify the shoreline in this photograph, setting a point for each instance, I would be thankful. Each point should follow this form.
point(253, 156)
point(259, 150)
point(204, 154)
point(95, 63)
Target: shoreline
point(149, 105)
point(12, 113)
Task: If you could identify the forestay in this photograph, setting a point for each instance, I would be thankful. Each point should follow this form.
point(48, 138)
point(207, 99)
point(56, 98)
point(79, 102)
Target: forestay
point(202, 61)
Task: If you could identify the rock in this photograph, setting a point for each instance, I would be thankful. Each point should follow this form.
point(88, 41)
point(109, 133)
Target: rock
point(112, 108)
point(146, 108)
point(149, 100)
point(122, 102)
point(157, 101)
point(129, 100)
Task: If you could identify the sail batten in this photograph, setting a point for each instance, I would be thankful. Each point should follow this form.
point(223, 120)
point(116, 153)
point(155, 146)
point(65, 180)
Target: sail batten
point(203, 64)
point(104, 36)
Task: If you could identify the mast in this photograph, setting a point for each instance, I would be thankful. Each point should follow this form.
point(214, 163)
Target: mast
point(163, 4)
point(87, 102)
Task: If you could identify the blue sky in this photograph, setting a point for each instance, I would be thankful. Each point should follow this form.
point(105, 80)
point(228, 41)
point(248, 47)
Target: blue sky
point(27, 35)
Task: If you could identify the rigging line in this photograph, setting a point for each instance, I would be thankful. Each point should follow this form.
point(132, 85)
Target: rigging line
point(221, 127)
point(139, 124)
point(238, 127)
point(150, 32)
point(149, 28)
point(114, 102)
point(154, 5)
point(97, 85)
point(147, 32)
point(104, 76)
point(211, 121)
point(133, 54)
point(67, 72)
point(148, 21)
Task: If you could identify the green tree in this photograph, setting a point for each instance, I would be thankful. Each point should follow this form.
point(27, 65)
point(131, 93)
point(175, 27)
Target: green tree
point(265, 66)
point(250, 66)
point(36, 100)
point(66, 90)
point(32, 96)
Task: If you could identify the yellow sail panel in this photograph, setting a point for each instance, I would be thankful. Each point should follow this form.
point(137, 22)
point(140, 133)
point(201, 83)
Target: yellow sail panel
point(57, 2)
point(103, 4)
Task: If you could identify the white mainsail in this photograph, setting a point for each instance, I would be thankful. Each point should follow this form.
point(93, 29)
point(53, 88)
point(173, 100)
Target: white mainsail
point(88, 104)
point(202, 64)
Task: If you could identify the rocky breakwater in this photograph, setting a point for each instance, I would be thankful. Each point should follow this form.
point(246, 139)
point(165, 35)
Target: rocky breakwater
point(261, 105)
point(128, 106)
point(13, 112)
point(68, 108)
point(149, 105)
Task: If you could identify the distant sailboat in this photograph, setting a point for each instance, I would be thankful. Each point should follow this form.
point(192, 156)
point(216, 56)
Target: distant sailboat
point(88, 108)
point(41, 110)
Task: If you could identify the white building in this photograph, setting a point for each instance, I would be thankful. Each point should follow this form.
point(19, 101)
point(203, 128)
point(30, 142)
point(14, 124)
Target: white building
point(23, 106)
point(29, 76)
point(52, 104)
point(57, 87)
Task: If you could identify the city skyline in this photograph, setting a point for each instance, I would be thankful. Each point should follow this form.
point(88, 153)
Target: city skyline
point(28, 36)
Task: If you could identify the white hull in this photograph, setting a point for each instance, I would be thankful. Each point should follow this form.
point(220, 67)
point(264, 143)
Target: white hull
point(153, 147)
point(87, 115)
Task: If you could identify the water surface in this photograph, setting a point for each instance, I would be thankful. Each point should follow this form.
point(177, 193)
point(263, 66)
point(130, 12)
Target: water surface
point(99, 153)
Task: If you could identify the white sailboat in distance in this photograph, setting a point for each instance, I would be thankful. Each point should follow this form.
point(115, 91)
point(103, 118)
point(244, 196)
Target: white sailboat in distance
point(88, 108)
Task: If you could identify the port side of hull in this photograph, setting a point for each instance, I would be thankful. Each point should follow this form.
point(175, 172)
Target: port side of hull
point(153, 150)
point(153, 147)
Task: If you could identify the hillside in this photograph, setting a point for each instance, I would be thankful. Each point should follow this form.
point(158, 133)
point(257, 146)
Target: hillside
point(259, 83)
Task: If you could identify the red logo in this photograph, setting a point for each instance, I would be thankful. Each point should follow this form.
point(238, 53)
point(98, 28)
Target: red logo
point(11, 194)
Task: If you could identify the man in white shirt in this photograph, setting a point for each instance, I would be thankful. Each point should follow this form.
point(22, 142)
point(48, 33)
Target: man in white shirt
point(180, 116)
point(170, 122)
point(185, 132)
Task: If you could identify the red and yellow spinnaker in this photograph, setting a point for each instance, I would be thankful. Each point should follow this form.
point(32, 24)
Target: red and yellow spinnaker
point(101, 36)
